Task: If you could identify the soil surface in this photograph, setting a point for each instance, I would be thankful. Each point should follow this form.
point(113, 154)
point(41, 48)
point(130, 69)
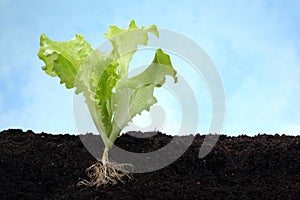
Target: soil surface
point(45, 166)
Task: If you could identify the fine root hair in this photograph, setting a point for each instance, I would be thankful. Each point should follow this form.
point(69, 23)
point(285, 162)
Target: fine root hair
point(106, 173)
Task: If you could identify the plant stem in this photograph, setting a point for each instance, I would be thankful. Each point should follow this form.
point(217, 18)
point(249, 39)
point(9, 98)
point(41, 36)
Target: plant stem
point(105, 155)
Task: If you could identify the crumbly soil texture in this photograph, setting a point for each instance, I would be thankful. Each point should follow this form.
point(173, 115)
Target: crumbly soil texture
point(47, 166)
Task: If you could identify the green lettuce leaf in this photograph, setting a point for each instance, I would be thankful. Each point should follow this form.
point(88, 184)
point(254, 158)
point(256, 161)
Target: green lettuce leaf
point(63, 59)
point(113, 99)
point(126, 41)
point(135, 94)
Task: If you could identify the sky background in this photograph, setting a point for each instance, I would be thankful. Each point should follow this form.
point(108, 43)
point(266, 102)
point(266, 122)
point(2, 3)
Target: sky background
point(255, 46)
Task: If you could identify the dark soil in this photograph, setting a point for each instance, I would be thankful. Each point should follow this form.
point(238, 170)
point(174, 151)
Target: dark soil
point(45, 166)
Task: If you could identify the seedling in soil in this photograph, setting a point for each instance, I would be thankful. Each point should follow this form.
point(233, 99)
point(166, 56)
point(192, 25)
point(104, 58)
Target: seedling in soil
point(113, 98)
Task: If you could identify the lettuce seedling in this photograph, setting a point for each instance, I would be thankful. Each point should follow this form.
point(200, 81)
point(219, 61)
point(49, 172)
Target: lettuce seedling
point(113, 98)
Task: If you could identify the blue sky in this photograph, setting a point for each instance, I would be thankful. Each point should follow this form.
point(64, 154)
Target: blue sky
point(255, 46)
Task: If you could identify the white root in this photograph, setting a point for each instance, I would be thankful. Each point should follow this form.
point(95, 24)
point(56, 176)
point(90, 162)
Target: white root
point(104, 173)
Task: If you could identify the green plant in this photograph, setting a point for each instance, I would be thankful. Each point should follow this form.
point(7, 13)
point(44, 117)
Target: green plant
point(112, 97)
